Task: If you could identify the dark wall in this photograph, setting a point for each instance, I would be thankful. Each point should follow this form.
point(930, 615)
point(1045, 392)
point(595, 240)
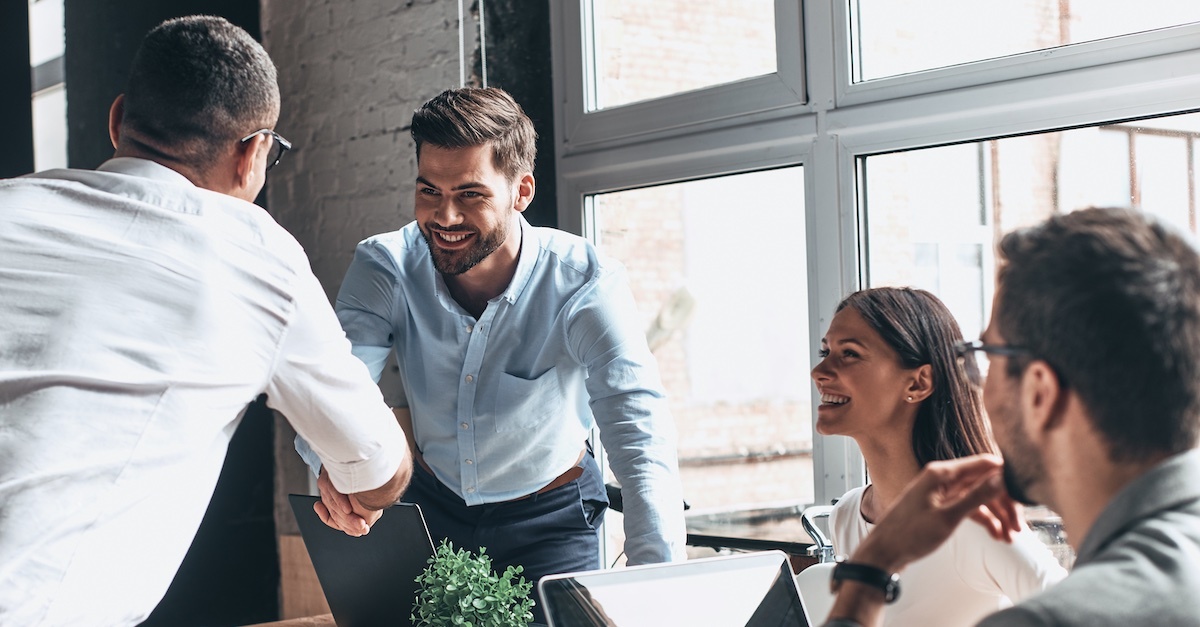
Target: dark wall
point(517, 38)
point(231, 573)
point(102, 38)
point(16, 153)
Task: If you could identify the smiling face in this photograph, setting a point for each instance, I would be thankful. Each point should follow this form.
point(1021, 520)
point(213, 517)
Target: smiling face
point(465, 208)
point(863, 385)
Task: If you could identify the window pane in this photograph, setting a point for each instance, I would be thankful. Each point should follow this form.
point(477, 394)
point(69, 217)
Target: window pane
point(891, 38)
point(643, 49)
point(933, 216)
point(723, 294)
point(47, 39)
point(50, 128)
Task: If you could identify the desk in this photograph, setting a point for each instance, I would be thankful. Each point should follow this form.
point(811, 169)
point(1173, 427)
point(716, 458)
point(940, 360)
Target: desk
point(324, 620)
point(775, 529)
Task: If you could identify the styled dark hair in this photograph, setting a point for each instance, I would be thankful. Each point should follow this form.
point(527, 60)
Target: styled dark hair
point(474, 116)
point(922, 330)
point(198, 83)
point(1110, 299)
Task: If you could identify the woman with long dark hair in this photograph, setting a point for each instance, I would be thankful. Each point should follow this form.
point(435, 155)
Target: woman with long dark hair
point(889, 378)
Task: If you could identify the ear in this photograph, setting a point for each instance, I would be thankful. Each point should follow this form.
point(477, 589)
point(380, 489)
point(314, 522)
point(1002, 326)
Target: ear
point(1043, 399)
point(921, 385)
point(116, 115)
point(525, 188)
point(244, 160)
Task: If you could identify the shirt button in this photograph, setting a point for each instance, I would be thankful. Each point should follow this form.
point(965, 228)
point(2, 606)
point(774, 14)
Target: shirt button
point(470, 328)
point(470, 490)
point(470, 378)
point(469, 461)
point(465, 426)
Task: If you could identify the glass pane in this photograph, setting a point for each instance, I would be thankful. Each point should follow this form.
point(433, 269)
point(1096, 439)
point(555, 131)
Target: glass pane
point(933, 216)
point(643, 49)
point(47, 39)
point(50, 128)
point(727, 320)
point(891, 38)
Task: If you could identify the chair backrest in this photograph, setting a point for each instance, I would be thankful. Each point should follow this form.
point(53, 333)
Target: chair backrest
point(813, 583)
point(822, 547)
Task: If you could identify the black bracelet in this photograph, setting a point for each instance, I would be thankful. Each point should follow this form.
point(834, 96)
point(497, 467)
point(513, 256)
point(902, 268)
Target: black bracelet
point(888, 583)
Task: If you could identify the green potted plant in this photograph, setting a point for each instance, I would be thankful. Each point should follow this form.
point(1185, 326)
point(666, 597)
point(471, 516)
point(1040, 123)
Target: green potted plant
point(459, 588)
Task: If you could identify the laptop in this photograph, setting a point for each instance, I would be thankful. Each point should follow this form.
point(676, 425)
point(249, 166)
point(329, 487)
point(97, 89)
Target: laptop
point(371, 580)
point(743, 590)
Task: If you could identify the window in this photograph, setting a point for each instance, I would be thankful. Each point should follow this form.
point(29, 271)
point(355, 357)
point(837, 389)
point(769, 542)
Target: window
point(645, 50)
point(730, 346)
point(46, 46)
point(920, 137)
point(892, 38)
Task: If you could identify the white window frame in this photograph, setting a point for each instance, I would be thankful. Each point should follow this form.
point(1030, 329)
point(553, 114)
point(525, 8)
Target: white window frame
point(830, 123)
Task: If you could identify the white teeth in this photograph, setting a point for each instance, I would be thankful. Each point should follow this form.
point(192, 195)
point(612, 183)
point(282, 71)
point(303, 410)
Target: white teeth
point(453, 238)
point(833, 399)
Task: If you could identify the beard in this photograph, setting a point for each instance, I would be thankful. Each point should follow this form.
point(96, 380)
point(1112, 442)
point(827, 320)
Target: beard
point(1016, 485)
point(454, 263)
point(1022, 465)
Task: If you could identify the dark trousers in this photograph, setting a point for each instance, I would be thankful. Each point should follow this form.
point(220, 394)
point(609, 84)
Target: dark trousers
point(556, 531)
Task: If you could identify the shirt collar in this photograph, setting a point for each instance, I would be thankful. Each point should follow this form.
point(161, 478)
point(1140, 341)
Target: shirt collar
point(1166, 486)
point(144, 168)
point(526, 259)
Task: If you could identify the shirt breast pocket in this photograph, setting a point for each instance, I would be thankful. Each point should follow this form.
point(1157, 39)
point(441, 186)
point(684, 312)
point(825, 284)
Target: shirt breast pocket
point(526, 403)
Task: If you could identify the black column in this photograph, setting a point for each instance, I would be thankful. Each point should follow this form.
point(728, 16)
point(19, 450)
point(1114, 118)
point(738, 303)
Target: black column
point(517, 38)
point(16, 153)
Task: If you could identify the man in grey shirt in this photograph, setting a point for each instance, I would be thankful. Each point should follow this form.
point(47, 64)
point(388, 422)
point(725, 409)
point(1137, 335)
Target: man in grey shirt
point(1093, 391)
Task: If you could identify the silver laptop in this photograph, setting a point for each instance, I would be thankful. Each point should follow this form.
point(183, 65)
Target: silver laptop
point(743, 590)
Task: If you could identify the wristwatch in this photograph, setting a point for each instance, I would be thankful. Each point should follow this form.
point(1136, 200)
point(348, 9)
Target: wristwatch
point(888, 583)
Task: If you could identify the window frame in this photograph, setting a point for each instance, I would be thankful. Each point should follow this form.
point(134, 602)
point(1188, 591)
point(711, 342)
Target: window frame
point(838, 123)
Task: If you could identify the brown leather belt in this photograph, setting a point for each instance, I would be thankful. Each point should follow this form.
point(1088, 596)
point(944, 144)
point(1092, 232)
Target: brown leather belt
point(571, 474)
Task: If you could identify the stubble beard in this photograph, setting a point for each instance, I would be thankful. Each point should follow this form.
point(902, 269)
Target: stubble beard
point(458, 262)
point(1022, 465)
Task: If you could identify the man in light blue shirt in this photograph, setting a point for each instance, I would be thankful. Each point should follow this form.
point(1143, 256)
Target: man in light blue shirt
point(512, 342)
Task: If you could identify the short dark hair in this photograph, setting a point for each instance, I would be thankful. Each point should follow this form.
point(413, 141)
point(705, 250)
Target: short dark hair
point(474, 116)
point(1110, 299)
point(196, 84)
point(922, 330)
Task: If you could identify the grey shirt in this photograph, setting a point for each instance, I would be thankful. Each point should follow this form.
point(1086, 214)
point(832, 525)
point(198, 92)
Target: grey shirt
point(1140, 563)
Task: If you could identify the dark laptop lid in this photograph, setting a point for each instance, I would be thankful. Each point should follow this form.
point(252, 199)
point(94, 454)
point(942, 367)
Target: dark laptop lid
point(371, 580)
point(744, 590)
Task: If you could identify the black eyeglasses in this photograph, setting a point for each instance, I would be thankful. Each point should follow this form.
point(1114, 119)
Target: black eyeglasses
point(278, 147)
point(977, 348)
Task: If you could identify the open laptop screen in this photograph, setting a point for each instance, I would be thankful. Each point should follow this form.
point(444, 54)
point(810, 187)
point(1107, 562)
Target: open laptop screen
point(745, 590)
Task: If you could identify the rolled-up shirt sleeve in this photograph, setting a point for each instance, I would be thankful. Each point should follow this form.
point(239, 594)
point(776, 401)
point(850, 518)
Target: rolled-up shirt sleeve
point(331, 399)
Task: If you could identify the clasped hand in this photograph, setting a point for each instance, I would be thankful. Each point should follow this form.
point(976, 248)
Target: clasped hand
point(343, 511)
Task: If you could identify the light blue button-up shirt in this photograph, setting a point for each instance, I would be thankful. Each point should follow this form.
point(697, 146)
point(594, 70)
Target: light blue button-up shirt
point(502, 405)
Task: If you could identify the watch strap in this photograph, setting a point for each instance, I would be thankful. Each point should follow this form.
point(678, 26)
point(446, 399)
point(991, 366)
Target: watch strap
point(866, 574)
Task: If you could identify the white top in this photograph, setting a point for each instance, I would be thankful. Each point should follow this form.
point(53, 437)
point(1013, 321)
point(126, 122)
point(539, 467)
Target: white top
point(139, 315)
point(970, 576)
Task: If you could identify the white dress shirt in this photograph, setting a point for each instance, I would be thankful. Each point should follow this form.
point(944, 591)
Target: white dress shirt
point(139, 315)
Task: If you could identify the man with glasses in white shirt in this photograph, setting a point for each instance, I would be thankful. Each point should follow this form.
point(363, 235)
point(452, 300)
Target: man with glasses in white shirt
point(143, 305)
